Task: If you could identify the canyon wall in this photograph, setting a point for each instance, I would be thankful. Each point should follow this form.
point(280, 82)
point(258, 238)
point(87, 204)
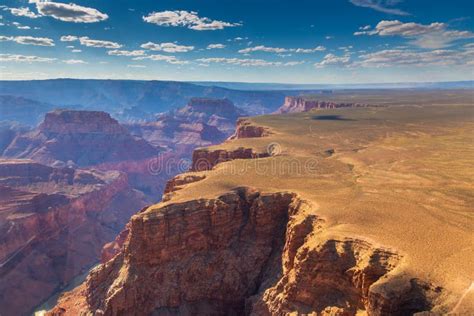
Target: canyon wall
point(53, 223)
point(244, 252)
point(302, 104)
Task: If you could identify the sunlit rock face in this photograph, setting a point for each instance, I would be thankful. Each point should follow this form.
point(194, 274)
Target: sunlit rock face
point(302, 104)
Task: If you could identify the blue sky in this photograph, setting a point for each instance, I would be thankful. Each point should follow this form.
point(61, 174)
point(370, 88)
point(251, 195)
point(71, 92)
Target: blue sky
point(325, 41)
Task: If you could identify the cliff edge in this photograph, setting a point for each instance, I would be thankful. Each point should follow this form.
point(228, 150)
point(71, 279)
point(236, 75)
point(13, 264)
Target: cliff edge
point(346, 214)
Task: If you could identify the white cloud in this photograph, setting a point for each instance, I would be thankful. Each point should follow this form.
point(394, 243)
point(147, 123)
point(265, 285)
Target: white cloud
point(29, 40)
point(215, 46)
point(69, 12)
point(136, 66)
point(26, 12)
point(24, 58)
point(432, 36)
point(398, 57)
point(187, 19)
point(69, 38)
point(385, 6)
point(167, 47)
point(280, 50)
point(86, 41)
point(76, 51)
point(246, 62)
point(333, 60)
point(20, 26)
point(126, 52)
point(262, 48)
point(166, 58)
point(74, 61)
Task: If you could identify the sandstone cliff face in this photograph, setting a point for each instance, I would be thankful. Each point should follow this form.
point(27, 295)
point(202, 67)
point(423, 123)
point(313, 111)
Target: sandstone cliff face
point(53, 222)
point(242, 253)
point(82, 138)
point(205, 159)
point(300, 104)
point(245, 129)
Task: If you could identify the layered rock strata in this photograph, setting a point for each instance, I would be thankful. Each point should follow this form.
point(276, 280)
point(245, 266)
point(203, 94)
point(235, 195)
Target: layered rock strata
point(244, 252)
point(302, 104)
point(53, 223)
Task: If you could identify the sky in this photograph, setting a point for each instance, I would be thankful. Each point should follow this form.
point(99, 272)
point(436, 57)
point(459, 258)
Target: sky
point(280, 41)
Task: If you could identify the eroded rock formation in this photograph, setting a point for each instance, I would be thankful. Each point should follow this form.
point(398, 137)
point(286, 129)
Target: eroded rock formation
point(53, 223)
point(82, 138)
point(206, 159)
point(245, 129)
point(302, 104)
point(242, 253)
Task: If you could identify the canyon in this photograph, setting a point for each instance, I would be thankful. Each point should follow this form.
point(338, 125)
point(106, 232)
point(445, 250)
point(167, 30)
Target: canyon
point(343, 219)
point(53, 224)
point(69, 186)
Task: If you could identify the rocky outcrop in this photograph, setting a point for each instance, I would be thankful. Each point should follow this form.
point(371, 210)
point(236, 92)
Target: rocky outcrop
point(53, 223)
point(245, 129)
point(302, 104)
point(220, 113)
point(177, 183)
point(206, 159)
point(177, 133)
point(244, 253)
point(82, 138)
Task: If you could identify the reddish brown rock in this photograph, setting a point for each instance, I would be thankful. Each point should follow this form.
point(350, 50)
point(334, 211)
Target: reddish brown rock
point(245, 129)
point(301, 104)
point(82, 138)
point(205, 159)
point(244, 253)
point(53, 223)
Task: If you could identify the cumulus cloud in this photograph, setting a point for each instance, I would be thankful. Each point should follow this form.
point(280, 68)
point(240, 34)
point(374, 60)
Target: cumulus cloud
point(69, 12)
point(246, 62)
point(28, 40)
point(280, 50)
point(26, 12)
point(74, 61)
point(167, 47)
point(24, 58)
point(69, 38)
point(86, 41)
point(166, 58)
point(215, 46)
point(126, 52)
point(20, 26)
point(333, 60)
point(188, 19)
point(385, 6)
point(136, 66)
point(433, 36)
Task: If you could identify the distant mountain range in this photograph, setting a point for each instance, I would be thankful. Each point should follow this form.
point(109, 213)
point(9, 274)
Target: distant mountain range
point(127, 99)
point(288, 86)
point(132, 100)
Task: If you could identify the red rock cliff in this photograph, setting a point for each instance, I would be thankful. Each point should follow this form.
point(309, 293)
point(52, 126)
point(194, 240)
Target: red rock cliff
point(53, 223)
